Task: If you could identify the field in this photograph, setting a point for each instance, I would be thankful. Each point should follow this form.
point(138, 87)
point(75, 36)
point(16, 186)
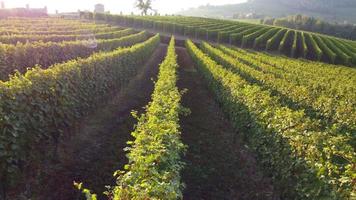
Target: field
point(170, 107)
point(293, 43)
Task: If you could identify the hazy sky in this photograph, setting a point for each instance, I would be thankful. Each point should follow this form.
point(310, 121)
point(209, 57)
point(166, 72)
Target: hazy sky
point(115, 6)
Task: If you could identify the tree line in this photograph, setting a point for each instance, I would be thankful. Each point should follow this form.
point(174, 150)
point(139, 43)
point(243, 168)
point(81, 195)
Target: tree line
point(306, 23)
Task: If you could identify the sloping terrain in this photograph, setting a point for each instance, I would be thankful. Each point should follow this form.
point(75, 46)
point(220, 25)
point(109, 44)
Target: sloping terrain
point(334, 10)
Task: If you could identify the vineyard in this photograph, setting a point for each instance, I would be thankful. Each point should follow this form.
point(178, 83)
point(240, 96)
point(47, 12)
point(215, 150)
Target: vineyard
point(293, 43)
point(171, 107)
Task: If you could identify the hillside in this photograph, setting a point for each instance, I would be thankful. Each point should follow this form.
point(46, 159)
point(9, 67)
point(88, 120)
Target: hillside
point(305, 23)
point(332, 10)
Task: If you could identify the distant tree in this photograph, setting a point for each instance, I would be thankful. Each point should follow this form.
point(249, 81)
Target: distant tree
point(269, 21)
point(306, 23)
point(144, 6)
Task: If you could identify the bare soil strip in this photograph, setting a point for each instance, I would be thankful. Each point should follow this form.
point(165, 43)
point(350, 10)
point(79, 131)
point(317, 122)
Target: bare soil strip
point(96, 150)
point(218, 166)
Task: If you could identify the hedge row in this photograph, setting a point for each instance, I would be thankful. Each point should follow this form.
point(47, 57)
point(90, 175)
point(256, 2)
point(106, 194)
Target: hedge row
point(314, 50)
point(317, 102)
point(328, 53)
point(290, 147)
point(261, 41)
point(248, 40)
point(213, 34)
point(273, 43)
point(323, 96)
point(303, 44)
point(295, 45)
point(35, 27)
point(57, 32)
point(236, 38)
point(337, 81)
point(39, 24)
point(341, 57)
point(20, 57)
point(14, 39)
point(38, 107)
point(202, 30)
point(224, 36)
point(45, 21)
point(153, 171)
point(288, 42)
point(345, 49)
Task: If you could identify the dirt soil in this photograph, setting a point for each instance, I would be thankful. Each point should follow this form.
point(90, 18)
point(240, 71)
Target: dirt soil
point(218, 165)
point(96, 150)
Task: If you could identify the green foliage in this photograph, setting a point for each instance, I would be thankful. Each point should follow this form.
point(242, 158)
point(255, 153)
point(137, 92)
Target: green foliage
point(295, 45)
point(304, 46)
point(248, 40)
point(287, 41)
point(283, 45)
point(341, 57)
point(346, 49)
point(330, 55)
point(36, 108)
point(294, 149)
point(202, 31)
point(189, 31)
point(313, 47)
point(213, 34)
point(305, 23)
point(20, 57)
point(260, 42)
point(325, 91)
point(86, 192)
point(47, 24)
point(55, 31)
point(273, 43)
point(224, 36)
point(15, 39)
point(144, 6)
point(236, 38)
point(154, 157)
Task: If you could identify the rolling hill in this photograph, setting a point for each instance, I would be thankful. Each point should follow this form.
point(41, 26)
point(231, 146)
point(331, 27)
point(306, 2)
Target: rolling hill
point(331, 10)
